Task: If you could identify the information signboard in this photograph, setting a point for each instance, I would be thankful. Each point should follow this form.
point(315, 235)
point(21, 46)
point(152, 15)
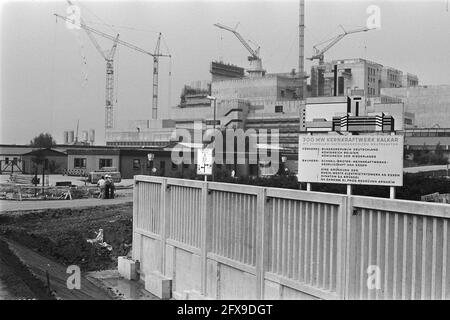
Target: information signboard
point(204, 161)
point(351, 159)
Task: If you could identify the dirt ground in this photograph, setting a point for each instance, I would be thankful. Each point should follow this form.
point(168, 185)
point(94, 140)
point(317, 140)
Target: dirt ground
point(61, 235)
point(17, 282)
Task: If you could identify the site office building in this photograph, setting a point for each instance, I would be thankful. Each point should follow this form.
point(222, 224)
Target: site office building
point(85, 160)
point(137, 162)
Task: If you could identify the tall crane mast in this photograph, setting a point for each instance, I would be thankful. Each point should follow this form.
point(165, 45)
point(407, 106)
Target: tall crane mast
point(116, 40)
point(319, 54)
point(156, 56)
point(301, 49)
point(255, 69)
point(109, 84)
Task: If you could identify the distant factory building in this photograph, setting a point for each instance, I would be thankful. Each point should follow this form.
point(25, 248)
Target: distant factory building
point(354, 113)
point(427, 138)
point(430, 104)
point(274, 87)
point(339, 77)
point(142, 133)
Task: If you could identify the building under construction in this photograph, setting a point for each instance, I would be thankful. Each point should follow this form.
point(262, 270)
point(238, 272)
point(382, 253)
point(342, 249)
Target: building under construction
point(341, 77)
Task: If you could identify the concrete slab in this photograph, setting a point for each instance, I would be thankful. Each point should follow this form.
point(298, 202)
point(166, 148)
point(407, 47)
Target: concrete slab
point(158, 285)
point(128, 268)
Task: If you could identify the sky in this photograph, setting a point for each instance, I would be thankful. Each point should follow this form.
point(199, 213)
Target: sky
point(45, 87)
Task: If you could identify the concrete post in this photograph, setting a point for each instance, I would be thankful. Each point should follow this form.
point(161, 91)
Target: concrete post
point(205, 237)
point(164, 217)
point(392, 192)
point(136, 254)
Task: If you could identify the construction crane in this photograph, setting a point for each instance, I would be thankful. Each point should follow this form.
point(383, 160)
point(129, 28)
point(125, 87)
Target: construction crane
point(319, 54)
point(109, 85)
point(116, 40)
point(255, 69)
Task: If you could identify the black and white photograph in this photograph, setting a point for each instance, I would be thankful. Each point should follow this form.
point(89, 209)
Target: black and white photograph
point(224, 155)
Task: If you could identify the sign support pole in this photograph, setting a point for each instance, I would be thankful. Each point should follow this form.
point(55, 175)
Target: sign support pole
point(206, 178)
point(308, 185)
point(391, 192)
point(392, 188)
point(349, 189)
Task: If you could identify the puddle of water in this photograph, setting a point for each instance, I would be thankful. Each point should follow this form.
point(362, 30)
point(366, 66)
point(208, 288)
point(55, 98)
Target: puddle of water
point(128, 290)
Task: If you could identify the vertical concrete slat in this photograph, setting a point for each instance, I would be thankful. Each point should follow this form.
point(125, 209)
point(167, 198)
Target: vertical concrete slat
point(261, 244)
point(395, 272)
point(242, 229)
point(319, 207)
point(386, 258)
point(404, 255)
point(362, 257)
point(424, 255)
point(378, 261)
point(325, 246)
point(369, 254)
point(311, 247)
point(300, 239)
point(433, 260)
point(340, 213)
point(350, 252)
point(414, 258)
point(444, 260)
point(295, 256)
point(279, 235)
point(307, 241)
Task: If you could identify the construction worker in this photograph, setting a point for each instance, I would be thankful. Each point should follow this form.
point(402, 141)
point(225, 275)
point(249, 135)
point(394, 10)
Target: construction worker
point(101, 187)
point(109, 187)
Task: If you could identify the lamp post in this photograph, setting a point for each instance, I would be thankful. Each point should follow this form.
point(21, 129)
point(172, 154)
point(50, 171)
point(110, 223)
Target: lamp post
point(215, 100)
point(214, 130)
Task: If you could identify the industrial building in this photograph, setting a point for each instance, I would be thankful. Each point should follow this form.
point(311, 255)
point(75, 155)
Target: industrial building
point(340, 77)
point(430, 104)
point(427, 138)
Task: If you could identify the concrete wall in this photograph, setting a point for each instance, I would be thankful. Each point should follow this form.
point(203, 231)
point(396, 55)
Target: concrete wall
point(269, 87)
point(226, 241)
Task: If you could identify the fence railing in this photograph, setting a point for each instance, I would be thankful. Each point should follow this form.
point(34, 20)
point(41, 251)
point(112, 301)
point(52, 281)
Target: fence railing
point(229, 241)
